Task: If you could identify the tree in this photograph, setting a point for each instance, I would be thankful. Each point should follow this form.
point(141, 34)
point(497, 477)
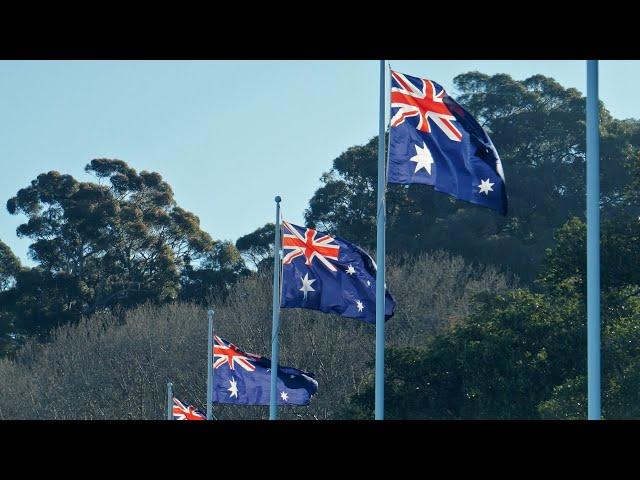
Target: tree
point(538, 128)
point(9, 267)
point(112, 367)
point(564, 268)
point(119, 242)
point(257, 246)
point(501, 363)
point(219, 270)
point(523, 355)
point(620, 369)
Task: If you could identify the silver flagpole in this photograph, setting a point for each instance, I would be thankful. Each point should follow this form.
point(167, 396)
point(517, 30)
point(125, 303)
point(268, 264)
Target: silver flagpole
point(275, 328)
point(593, 243)
point(380, 248)
point(169, 401)
point(210, 367)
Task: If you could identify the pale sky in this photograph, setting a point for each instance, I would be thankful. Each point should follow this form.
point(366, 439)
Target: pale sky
point(226, 135)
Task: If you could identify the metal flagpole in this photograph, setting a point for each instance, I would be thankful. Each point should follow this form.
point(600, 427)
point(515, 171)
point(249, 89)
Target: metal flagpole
point(275, 328)
point(169, 401)
point(593, 243)
point(210, 367)
point(380, 248)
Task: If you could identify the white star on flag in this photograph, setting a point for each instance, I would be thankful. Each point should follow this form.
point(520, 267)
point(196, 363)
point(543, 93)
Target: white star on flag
point(359, 305)
point(233, 388)
point(485, 186)
point(422, 158)
point(351, 270)
point(284, 396)
point(306, 285)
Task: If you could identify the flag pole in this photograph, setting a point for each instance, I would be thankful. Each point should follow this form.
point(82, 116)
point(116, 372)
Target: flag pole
point(593, 243)
point(210, 366)
point(380, 250)
point(169, 401)
point(275, 327)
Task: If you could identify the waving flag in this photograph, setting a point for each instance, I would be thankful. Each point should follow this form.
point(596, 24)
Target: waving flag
point(434, 141)
point(326, 273)
point(182, 411)
point(245, 379)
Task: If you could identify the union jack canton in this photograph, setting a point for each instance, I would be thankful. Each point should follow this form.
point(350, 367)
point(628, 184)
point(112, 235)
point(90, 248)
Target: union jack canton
point(182, 411)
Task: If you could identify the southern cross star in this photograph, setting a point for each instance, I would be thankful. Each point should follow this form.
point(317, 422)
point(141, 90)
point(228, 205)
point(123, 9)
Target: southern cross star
point(485, 186)
point(306, 285)
point(233, 388)
point(422, 158)
point(351, 270)
point(359, 305)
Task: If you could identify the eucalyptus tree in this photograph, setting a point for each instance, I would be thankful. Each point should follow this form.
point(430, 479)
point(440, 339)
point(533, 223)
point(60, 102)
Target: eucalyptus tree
point(538, 128)
point(119, 241)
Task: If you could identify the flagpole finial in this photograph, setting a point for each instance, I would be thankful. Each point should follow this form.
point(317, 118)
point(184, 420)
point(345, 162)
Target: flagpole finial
point(278, 199)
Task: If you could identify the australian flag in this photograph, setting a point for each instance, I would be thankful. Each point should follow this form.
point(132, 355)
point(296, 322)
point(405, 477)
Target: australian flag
point(245, 379)
point(434, 141)
point(326, 273)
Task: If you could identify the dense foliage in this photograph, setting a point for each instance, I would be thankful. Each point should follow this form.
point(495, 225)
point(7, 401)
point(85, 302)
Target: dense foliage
point(523, 354)
point(257, 247)
point(107, 367)
point(539, 130)
point(119, 242)
point(9, 267)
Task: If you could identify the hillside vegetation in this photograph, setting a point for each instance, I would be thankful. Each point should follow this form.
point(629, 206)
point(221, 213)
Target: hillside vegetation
point(116, 302)
point(107, 367)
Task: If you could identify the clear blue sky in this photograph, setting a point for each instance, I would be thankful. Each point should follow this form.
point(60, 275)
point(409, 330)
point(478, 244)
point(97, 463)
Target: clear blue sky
point(227, 135)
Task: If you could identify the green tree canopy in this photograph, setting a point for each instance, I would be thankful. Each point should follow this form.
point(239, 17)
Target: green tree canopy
point(564, 268)
point(500, 363)
point(538, 128)
point(9, 270)
point(218, 270)
point(120, 241)
point(257, 246)
point(9, 266)
point(523, 355)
